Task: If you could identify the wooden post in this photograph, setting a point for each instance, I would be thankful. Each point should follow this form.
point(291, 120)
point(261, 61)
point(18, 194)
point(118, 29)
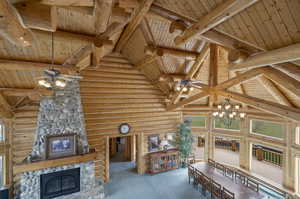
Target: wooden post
point(140, 160)
point(106, 180)
point(133, 147)
point(233, 145)
point(245, 154)
point(260, 154)
point(209, 147)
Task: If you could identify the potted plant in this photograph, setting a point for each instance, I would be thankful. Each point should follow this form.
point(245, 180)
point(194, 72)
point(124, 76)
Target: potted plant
point(184, 142)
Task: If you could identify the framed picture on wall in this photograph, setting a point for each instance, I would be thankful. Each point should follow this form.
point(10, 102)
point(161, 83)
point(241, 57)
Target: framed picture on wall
point(60, 146)
point(153, 142)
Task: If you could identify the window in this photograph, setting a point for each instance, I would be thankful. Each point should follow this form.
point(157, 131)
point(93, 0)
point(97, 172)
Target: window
point(297, 140)
point(171, 137)
point(220, 124)
point(1, 171)
point(1, 132)
point(197, 121)
point(267, 128)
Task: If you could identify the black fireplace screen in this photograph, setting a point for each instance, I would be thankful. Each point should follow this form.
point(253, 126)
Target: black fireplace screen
point(60, 183)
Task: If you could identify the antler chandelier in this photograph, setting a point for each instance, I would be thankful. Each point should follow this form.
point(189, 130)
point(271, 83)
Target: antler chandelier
point(228, 112)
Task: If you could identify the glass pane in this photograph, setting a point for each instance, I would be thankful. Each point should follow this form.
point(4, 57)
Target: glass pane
point(53, 186)
point(68, 182)
point(1, 171)
point(221, 124)
point(1, 132)
point(197, 121)
point(266, 128)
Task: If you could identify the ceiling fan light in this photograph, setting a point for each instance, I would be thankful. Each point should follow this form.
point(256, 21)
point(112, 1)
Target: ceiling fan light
point(191, 88)
point(184, 89)
point(60, 83)
point(42, 82)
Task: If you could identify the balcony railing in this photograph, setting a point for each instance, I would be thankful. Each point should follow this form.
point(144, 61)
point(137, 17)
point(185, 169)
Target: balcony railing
point(263, 154)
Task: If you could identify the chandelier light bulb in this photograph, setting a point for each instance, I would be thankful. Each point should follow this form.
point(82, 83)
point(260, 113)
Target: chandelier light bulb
point(231, 115)
point(237, 107)
point(234, 113)
point(221, 115)
point(242, 115)
point(215, 114)
point(227, 107)
point(60, 83)
point(219, 106)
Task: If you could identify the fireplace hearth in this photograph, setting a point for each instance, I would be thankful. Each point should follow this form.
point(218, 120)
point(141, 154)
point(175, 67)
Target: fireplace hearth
point(60, 183)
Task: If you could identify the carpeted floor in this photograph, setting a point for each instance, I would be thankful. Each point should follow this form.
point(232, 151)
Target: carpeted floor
point(125, 183)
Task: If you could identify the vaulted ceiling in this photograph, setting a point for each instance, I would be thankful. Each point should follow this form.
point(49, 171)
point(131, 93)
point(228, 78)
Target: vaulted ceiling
point(165, 40)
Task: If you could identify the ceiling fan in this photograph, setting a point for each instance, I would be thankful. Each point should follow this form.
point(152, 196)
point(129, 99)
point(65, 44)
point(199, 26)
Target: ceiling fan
point(52, 78)
point(188, 85)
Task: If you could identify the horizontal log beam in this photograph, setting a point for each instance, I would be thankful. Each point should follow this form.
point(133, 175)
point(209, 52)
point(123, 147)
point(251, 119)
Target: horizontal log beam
point(19, 92)
point(277, 56)
point(14, 65)
point(88, 3)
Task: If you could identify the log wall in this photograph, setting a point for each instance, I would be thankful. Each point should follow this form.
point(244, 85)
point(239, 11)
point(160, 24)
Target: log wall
point(116, 93)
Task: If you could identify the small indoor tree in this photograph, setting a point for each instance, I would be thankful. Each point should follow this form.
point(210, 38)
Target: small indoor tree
point(184, 141)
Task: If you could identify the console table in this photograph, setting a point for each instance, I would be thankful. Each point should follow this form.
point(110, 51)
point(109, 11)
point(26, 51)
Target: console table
point(163, 161)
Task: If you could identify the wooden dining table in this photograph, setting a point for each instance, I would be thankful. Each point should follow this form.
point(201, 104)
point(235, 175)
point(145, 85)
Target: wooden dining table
point(240, 190)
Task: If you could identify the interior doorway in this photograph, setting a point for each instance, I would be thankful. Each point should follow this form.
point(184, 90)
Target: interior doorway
point(122, 149)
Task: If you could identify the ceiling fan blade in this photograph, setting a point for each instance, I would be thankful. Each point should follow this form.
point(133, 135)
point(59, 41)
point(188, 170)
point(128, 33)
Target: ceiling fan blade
point(196, 81)
point(196, 86)
point(71, 76)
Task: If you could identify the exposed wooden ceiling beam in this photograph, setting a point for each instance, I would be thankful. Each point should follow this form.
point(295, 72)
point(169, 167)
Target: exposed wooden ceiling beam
point(277, 56)
point(126, 4)
point(101, 50)
point(79, 54)
point(12, 26)
point(15, 65)
point(291, 70)
point(199, 61)
point(189, 100)
point(5, 109)
point(38, 16)
point(138, 16)
point(89, 3)
point(102, 13)
point(283, 80)
point(241, 78)
point(213, 71)
point(33, 94)
point(270, 107)
point(274, 91)
point(217, 16)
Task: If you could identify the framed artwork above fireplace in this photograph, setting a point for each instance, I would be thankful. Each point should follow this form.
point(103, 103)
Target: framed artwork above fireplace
point(58, 146)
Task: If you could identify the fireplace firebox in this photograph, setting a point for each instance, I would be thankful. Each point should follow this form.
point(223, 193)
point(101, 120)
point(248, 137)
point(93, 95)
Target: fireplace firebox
point(60, 183)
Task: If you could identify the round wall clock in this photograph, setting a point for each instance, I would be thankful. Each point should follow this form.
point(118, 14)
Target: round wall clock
point(124, 128)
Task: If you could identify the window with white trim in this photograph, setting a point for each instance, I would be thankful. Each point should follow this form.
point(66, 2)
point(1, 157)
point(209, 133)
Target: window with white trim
point(267, 128)
point(297, 140)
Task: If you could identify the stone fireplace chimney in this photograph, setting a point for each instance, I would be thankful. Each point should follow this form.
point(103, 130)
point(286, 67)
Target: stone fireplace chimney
point(60, 114)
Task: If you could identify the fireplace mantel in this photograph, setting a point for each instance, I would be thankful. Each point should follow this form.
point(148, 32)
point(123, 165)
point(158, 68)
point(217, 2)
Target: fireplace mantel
point(21, 168)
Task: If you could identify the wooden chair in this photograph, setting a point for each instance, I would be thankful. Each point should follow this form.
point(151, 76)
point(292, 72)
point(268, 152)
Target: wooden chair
point(216, 189)
point(226, 194)
point(197, 179)
point(240, 177)
point(253, 185)
point(206, 186)
point(211, 162)
point(191, 172)
point(229, 173)
point(220, 167)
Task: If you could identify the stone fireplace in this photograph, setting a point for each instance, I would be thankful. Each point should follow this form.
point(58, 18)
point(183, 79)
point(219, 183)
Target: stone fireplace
point(59, 115)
